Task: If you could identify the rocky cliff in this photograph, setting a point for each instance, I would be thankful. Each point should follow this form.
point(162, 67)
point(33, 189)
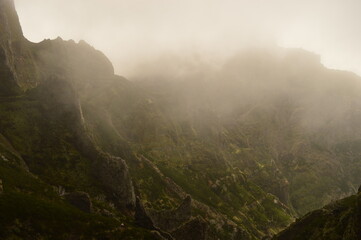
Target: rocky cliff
point(17, 68)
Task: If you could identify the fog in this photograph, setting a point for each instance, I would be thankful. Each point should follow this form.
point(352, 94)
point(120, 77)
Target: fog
point(131, 32)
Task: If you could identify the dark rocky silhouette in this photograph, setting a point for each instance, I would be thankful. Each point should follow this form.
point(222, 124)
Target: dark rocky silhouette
point(141, 216)
point(80, 200)
point(194, 229)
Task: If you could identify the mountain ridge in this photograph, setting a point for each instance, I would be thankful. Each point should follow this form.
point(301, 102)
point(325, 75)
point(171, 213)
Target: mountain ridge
point(248, 151)
point(338, 220)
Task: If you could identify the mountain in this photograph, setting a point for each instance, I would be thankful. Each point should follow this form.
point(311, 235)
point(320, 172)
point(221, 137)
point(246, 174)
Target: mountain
point(186, 151)
point(338, 220)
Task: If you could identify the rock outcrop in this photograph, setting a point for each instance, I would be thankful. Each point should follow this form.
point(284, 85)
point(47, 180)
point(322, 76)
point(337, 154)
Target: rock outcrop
point(18, 71)
point(60, 101)
point(113, 175)
point(141, 216)
point(194, 229)
point(80, 200)
point(16, 158)
point(143, 219)
point(177, 222)
point(170, 220)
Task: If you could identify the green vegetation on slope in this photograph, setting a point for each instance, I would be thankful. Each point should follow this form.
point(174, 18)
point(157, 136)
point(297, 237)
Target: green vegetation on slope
point(254, 142)
point(336, 221)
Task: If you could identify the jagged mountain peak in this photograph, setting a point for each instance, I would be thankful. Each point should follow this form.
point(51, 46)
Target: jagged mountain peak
point(10, 24)
point(17, 68)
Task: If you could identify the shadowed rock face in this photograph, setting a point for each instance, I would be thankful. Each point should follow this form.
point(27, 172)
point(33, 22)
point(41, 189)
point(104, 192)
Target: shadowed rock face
point(194, 229)
point(6, 76)
point(17, 69)
point(143, 219)
point(10, 24)
point(114, 177)
point(338, 220)
point(60, 101)
point(141, 216)
point(80, 200)
point(170, 220)
point(177, 222)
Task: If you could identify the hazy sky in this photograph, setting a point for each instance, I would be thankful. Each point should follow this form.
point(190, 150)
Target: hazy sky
point(131, 31)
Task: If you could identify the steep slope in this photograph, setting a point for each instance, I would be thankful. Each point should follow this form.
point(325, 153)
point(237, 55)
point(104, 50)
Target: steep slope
point(281, 117)
point(233, 152)
point(274, 122)
point(17, 70)
point(46, 156)
point(53, 95)
point(338, 220)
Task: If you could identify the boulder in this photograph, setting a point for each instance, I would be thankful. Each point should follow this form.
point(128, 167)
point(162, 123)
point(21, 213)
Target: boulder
point(80, 200)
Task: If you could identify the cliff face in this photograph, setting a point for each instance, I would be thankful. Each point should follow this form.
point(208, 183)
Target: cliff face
point(17, 69)
point(46, 152)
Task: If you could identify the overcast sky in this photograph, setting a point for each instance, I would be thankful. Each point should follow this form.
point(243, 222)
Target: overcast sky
point(131, 31)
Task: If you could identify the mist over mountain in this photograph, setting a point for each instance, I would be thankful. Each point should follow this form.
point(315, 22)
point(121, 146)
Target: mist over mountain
point(129, 32)
point(193, 146)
